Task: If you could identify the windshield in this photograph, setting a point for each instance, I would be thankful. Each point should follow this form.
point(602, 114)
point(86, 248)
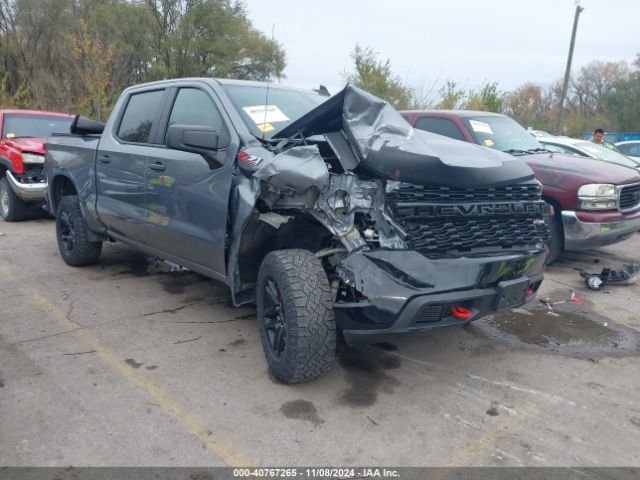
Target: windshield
point(604, 153)
point(265, 117)
point(502, 133)
point(20, 125)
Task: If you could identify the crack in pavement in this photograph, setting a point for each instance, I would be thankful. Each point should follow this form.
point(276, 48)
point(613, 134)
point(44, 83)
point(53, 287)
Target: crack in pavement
point(234, 319)
point(46, 336)
point(80, 327)
point(169, 310)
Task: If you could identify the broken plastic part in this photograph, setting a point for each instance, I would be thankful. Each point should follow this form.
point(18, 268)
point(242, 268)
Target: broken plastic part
point(298, 168)
point(274, 219)
point(628, 274)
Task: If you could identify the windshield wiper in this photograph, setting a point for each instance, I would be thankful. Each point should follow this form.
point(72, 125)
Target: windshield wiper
point(533, 150)
point(514, 151)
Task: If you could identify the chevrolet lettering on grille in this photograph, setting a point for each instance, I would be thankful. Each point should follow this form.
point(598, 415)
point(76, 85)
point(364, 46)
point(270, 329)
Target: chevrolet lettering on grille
point(484, 209)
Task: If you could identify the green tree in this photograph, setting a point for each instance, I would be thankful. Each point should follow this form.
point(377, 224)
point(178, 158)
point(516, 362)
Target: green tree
point(20, 98)
point(79, 54)
point(529, 105)
point(92, 59)
point(622, 102)
point(487, 98)
point(451, 96)
point(210, 38)
point(375, 76)
point(594, 80)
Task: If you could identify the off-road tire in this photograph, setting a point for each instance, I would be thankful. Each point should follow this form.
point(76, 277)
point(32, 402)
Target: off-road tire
point(556, 239)
point(309, 348)
point(70, 225)
point(12, 207)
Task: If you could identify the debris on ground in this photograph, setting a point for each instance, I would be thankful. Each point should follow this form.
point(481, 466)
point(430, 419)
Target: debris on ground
point(547, 301)
point(159, 265)
point(628, 274)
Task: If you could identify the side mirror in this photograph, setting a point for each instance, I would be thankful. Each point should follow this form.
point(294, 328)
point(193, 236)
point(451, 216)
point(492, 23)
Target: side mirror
point(194, 139)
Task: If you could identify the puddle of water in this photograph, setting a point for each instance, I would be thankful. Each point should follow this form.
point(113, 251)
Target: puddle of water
point(572, 332)
point(541, 328)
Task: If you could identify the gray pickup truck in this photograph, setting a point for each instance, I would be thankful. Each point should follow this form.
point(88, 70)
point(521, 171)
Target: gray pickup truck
point(333, 214)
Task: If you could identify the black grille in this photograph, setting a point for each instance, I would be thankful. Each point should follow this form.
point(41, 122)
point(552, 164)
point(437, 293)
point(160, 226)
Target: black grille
point(430, 314)
point(436, 235)
point(441, 236)
point(629, 197)
point(407, 192)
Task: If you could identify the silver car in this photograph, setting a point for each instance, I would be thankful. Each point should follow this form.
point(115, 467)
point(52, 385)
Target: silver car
point(630, 148)
point(585, 148)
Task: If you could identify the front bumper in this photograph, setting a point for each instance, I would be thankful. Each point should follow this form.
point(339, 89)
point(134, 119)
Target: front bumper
point(582, 235)
point(29, 192)
point(401, 292)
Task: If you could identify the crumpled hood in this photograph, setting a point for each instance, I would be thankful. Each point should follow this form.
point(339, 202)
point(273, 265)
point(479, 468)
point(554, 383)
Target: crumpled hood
point(553, 168)
point(35, 145)
point(388, 147)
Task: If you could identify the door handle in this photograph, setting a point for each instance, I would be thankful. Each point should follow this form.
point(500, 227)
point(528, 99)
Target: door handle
point(157, 167)
point(104, 159)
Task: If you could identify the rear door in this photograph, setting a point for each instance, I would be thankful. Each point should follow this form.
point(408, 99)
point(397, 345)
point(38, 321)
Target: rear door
point(122, 162)
point(187, 199)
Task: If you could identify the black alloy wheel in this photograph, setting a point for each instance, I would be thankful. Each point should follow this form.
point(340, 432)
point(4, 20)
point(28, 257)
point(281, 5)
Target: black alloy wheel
point(274, 318)
point(67, 233)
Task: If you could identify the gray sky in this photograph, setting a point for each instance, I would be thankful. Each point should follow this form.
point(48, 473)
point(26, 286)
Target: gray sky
point(430, 41)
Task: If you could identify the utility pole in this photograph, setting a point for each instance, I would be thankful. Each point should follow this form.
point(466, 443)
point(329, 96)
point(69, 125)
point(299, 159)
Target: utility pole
point(567, 73)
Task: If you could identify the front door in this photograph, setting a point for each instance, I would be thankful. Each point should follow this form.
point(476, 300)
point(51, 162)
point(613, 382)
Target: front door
point(187, 200)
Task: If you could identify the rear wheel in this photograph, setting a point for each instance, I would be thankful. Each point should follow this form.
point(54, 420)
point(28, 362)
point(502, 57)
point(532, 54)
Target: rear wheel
point(12, 207)
point(295, 314)
point(73, 234)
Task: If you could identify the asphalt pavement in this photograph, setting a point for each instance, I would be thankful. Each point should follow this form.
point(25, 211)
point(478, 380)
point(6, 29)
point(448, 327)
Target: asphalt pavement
point(128, 364)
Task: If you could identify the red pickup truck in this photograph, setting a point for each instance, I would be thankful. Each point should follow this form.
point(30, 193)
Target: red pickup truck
point(22, 157)
point(596, 203)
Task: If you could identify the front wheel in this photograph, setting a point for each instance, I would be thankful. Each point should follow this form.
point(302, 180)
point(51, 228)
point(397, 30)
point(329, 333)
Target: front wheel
point(12, 207)
point(73, 234)
point(295, 314)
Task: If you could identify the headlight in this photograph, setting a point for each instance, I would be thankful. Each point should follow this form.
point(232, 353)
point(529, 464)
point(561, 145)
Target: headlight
point(32, 158)
point(598, 196)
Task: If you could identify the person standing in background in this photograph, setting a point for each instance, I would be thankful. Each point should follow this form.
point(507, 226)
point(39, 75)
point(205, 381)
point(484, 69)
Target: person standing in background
point(598, 137)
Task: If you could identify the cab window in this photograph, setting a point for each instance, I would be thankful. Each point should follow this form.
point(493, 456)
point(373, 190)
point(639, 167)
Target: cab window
point(141, 111)
point(441, 126)
point(192, 106)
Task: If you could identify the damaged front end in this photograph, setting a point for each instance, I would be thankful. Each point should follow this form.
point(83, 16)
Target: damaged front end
point(415, 231)
point(29, 185)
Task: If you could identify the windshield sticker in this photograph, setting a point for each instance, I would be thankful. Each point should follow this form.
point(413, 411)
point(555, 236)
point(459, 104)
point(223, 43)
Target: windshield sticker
point(480, 127)
point(489, 143)
point(265, 127)
point(262, 114)
point(11, 135)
